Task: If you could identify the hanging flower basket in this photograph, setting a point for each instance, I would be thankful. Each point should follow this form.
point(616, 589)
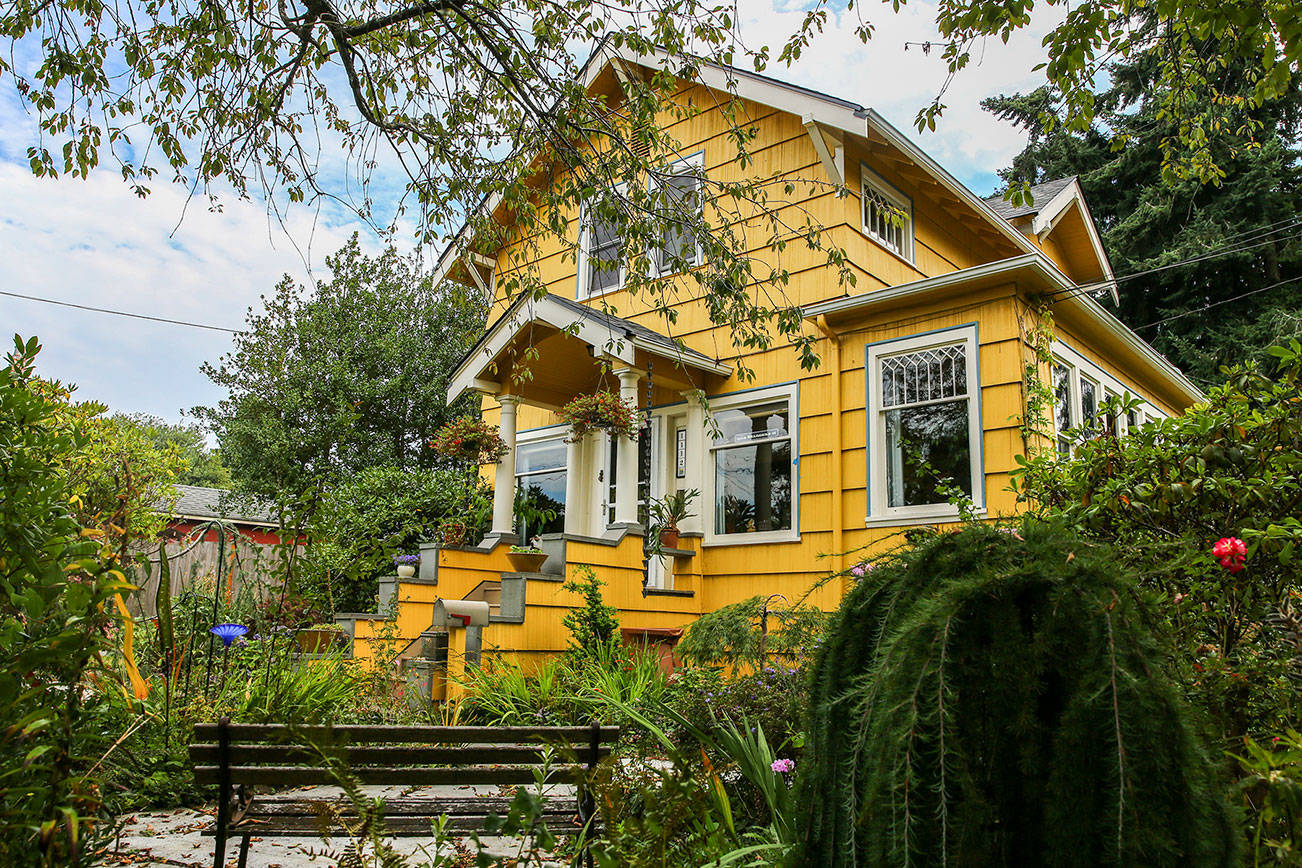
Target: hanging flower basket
point(469, 439)
point(600, 411)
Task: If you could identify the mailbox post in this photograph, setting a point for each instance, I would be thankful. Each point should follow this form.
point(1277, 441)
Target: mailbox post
point(465, 621)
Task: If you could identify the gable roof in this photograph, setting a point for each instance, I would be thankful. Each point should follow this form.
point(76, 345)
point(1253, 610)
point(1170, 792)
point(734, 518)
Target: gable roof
point(612, 335)
point(1041, 193)
point(196, 501)
point(811, 106)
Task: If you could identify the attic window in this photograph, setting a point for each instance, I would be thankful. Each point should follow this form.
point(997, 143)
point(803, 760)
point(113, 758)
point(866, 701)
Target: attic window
point(887, 215)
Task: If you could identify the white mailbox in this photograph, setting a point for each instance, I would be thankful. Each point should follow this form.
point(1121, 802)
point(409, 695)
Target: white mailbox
point(460, 613)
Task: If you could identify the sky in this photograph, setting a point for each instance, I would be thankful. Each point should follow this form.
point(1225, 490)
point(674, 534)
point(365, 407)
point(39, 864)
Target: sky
point(93, 242)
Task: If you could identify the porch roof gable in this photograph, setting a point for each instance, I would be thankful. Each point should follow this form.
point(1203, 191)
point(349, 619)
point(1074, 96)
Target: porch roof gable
point(609, 335)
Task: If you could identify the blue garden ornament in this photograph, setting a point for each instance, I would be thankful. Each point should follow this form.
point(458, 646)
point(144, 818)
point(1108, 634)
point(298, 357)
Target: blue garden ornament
point(228, 633)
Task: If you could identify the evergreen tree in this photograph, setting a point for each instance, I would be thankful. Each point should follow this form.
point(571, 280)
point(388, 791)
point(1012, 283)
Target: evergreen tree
point(992, 698)
point(1149, 218)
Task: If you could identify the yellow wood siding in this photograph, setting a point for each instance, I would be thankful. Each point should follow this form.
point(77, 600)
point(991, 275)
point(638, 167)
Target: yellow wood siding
point(949, 235)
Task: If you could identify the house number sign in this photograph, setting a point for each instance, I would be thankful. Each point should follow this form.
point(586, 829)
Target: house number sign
point(680, 454)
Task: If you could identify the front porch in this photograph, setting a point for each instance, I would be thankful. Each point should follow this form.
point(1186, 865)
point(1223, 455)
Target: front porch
point(534, 359)
point(544, 352)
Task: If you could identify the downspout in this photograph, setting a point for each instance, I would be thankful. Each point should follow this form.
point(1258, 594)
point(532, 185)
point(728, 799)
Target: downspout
point(838, 506)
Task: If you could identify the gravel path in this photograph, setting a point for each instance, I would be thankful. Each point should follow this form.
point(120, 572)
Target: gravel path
point(155, 839)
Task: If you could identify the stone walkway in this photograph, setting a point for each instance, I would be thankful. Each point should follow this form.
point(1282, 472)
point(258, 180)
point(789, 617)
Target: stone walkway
point(155, 839)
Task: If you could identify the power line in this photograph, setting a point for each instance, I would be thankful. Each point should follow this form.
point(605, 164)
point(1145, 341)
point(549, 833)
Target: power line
point(1214, 253)
point(1218, 303)
point(193, 325)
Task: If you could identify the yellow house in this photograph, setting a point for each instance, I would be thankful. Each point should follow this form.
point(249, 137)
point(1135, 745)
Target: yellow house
point(929, 368)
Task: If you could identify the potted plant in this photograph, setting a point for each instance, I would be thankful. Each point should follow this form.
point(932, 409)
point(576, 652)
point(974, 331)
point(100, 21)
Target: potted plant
point(319, 638)
point(526, 559)
point(668, 511)
point(452, 534)
point(406, 565)
point(600, 411)
point(471, 439)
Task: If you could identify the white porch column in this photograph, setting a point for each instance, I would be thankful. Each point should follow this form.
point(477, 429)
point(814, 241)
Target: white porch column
point(576, 488)
point(626, 455)
point(697, 442)
point(504, 479)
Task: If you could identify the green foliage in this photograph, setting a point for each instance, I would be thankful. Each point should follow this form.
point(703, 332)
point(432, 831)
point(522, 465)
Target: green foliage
point(748, 632)
point(55, 588)
point(774, 698)
point(202, 466)
point(594, 629)
point(1149, 219)
point(373, 515)
point(995, 698)
point(121, 476)
point(550, 691)
point(1273, 791)
point(352, 374)
point(1166, 493)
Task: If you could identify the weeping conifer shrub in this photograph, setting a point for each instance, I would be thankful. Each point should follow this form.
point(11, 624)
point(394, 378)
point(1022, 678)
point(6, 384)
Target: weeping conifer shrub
point(990, 698)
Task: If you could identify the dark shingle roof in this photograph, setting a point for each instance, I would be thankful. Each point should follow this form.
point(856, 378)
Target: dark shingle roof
point(1042, 193)
point(199, 502)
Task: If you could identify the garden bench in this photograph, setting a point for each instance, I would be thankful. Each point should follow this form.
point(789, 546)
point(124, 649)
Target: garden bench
point(237, 757)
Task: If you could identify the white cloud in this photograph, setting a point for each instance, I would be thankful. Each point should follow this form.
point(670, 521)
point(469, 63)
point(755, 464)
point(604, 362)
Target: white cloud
point(93, 242)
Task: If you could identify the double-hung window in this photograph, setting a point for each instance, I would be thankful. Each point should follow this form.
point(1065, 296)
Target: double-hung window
point(601, 261)
point(540, 487)
point(753, 477)
point(887, 215)
point(679, 198)
point(924, 426)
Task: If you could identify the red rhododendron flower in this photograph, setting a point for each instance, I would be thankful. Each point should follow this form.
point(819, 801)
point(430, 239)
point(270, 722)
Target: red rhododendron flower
point(1230, 552)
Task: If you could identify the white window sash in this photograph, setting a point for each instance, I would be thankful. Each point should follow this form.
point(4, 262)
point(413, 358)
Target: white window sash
point(871, 181)
point(878, 511)
point(788, 392)
point(1080, 369)
point(690, 166)
point(584, 277)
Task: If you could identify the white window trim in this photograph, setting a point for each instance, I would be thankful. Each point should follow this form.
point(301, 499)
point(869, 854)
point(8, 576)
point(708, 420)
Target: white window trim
point(878, 512)
point(1105, 385)
point(693, 164)
point(791, 393)
point(870, 180)
point(582, 288)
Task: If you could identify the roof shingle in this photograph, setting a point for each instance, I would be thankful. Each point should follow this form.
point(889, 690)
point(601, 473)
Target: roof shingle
point(1042, 193)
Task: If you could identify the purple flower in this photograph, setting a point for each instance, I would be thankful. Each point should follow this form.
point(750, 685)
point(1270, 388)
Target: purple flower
point(783, 766)
point(407, 560)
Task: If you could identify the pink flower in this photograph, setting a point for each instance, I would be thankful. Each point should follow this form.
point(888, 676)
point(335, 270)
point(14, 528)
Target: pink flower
point(861, 569)
point(784, 766)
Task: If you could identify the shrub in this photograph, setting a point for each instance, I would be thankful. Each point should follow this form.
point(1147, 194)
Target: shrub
point(749, 632)
point(380, 512)
point(594, 629)
point(56, 593)
point(989, 699)
point(1168, 492)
